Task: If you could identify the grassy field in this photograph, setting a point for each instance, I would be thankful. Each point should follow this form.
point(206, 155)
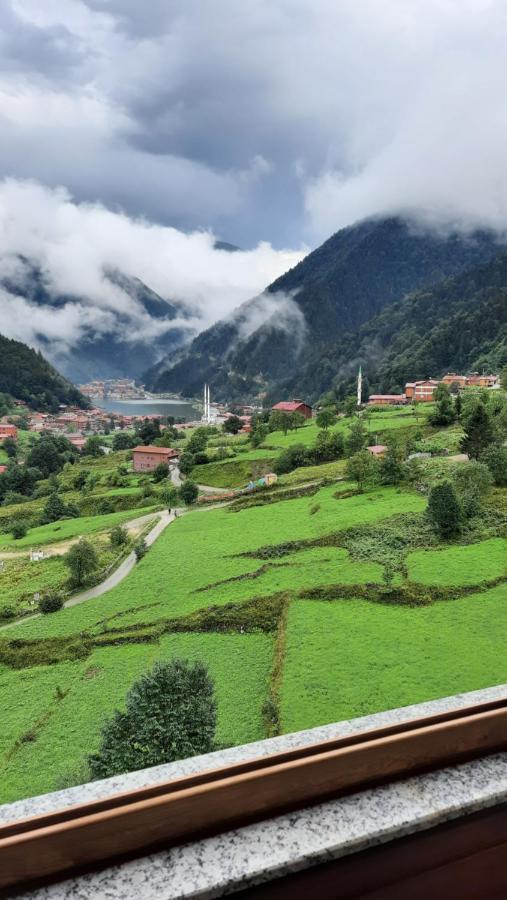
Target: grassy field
point(65, 529)
point(403, 655)
point(286, 602)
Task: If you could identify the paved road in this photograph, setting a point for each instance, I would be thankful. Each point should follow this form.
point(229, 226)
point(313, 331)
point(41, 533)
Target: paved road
point(124, 568)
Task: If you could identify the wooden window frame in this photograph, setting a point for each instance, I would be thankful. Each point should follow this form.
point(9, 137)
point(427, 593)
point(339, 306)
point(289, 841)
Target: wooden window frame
point(95, 834)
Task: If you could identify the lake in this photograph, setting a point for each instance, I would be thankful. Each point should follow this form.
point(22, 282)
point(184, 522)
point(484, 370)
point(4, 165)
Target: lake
point(180, 409)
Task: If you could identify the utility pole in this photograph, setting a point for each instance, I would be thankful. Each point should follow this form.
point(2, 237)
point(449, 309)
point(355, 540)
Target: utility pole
point(359, 387)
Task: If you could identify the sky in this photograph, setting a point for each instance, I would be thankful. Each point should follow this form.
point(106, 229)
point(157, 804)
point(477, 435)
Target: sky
point(147, 130)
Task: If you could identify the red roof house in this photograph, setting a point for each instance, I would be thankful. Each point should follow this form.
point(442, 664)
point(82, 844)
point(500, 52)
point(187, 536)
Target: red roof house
point(146, 459)
point(292, 406)
point(378, 450)
point(7, 430)
point(387, 399)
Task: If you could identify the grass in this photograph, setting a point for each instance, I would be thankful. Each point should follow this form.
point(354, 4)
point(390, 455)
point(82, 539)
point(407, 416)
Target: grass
point(66, 529)
point(232, 473)
point(353, 658)
point(97, 686)
point(460, 565)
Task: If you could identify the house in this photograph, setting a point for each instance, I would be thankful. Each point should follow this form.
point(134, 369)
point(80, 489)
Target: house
point(421, 391)
point(483, 381)
point(77, 441)
point(292, 406)
point(7, 430)
point(146, 459)
point(451, 378)
point(3, 469)
point(386, 399)
point(377, 450)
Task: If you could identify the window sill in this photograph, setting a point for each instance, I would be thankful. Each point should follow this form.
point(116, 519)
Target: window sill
point(288, 843)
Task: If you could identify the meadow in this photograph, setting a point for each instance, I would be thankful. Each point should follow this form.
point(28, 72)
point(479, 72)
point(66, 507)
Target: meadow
point(286, 601)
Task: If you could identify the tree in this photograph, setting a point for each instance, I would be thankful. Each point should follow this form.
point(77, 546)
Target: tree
point(279, 421)
point(118, 536)
point(149, 431)
point(232, 425)
point(47, 455)
point(292, 458)
point(56, 509)
point(82, 560)
point(358, 437)
point(122, 440)
point(328, 446)
point(169, 496)
point(503, 378)
point(186, 463)
point(93, 446)
point(198, 441)
point(479, 432)
point(160, 472)
point(325, 418)
point(445, 411)
point(391, 465)
point(189, 492)
point(297, 420)
point(444, 509)
point(458, 406)
point(495, 458)
point(472, 482)
point(19, 529)
point(259, 435)
point(11, 448)
point(350, 405)
point(362, 468)
point(170, 713)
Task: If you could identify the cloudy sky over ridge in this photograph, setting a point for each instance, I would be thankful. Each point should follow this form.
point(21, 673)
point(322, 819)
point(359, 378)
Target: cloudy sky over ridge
point(276, 121)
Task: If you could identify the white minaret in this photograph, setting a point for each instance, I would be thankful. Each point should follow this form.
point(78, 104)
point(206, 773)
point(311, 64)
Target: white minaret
point(359, 387)
point(208, 410)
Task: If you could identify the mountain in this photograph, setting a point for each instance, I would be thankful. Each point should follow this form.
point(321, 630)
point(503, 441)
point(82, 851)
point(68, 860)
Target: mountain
point(26, 375)
point(278, 343)
point(460, 325)
point(114, 342)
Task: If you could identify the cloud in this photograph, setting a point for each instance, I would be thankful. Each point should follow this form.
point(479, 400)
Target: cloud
point(277, 310)
point(75, 248)
point(279, 120)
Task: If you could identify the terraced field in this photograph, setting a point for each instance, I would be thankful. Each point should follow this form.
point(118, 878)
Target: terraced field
point(289, 606)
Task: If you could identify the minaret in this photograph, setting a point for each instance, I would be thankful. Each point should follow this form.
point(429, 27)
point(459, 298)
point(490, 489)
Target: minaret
point(359, 386)
point(208, 411)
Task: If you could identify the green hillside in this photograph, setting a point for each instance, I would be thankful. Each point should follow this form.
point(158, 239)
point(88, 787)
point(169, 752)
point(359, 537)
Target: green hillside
point(26, 375)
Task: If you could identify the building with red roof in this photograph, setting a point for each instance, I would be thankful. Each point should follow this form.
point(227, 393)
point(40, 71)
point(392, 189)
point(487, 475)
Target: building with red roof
point(387, 399)
point(146, 459)
point(293, 406)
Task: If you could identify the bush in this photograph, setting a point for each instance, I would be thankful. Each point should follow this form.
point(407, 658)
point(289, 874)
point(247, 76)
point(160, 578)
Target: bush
point(189, 492)
point(140, 549)
point(496, 460)
point(170, 714)
point(19, 530)
point(51, 603)
point(118, 536)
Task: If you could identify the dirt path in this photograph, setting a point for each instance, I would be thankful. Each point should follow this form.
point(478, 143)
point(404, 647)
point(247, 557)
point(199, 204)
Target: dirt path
point(134, 527)
point(124, 568)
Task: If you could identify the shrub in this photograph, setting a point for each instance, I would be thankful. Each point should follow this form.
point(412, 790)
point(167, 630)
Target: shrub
point(118, 536)
point(160, 472)
point(170, 714)
point(444, 509)
point(19, 529)
point(51, 602)
point(82, 561)
point(140, 549)
point(189, 492)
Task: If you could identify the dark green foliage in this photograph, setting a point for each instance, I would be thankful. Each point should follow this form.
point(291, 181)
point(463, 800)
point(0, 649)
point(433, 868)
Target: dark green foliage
point(170, 714)
point(140, 549)
point(50, 454)
point(326, 417)
point(26, 375)
point(189, 492)
point(118, 536)
point(391, 469)
point(363, 469)
point(232, 425)
point(82, 561)
point(93, 446)
point(198, 441)
point(19, 529)
point(357, 439)
point(186, 463)
point(265, 497)
point(472, 482)
point(56, 509)
point(292, 458)
point(340, 286)
point(495, 457)
point(22, 654)
point(479, 432)
point(51, 602)
point(328, 447)
point(445, 410)
point(10, 446)
point(124, 441)
point(444, 509)
point(148, 432)
point(160, 472)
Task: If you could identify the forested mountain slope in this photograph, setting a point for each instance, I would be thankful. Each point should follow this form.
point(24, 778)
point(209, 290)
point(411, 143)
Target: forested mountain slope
point(26, 375)
point(295, 325)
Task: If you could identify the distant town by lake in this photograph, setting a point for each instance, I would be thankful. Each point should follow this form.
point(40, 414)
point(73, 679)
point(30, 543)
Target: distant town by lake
point(180, 409)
